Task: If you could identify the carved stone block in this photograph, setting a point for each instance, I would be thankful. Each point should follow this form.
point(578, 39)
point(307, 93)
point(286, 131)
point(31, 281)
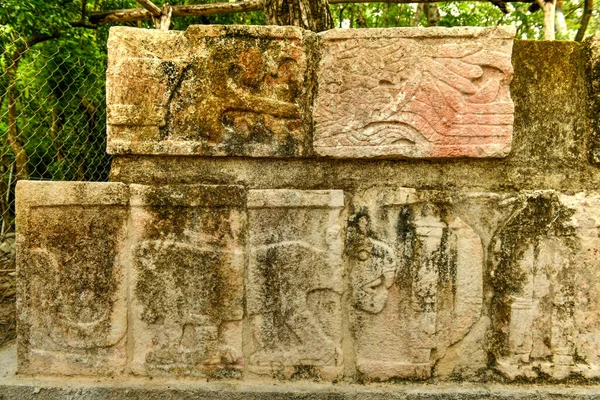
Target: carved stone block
point(72, 277)
point(408, 92)
point(544, 261)
point(211, 90)
point(416, 277)
point(295, 283)
point(187, 280)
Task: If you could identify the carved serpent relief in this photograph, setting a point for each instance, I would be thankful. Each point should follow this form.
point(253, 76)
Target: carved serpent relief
point(415, 97)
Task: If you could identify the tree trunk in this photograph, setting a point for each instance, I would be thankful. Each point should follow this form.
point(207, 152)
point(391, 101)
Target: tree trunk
point(386, 10)
point(55, 132)
point(432, 13)
point(14, 141)
point(561, 22)
point(418, 12)
point(588, 8)
point(313, 15)
point(549, 8)
point(361, 21)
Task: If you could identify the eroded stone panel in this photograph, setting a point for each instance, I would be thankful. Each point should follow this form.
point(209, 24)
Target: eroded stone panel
point(544, 261)
point(72, 277)
point(295, 283)
point(415, 92)
point(187, 280)
point(416, 277)
point(211, 90)
point(593, 69)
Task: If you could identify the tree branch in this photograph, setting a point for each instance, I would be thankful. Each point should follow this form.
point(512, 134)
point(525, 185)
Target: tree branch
point(150, 6)
point(588, 7)
point(195, 10)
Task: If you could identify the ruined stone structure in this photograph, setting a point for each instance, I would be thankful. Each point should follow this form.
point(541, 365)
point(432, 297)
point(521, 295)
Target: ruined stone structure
point(363, 206)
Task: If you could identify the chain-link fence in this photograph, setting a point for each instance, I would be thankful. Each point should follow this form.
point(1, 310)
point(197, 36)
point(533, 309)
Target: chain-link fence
point(52, 127)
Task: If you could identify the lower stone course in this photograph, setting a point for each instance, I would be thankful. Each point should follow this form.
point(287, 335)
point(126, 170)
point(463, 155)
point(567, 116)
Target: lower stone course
point(14, 387)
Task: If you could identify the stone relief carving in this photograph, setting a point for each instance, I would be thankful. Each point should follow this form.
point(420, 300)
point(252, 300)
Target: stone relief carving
point(543, 259)
point(295, 283)
point(73, 287)
point(227, 91)
point(416, 277)
point(415, 93)
point(188, 265)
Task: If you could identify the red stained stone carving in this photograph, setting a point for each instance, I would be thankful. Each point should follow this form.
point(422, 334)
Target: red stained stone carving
point(423, 93)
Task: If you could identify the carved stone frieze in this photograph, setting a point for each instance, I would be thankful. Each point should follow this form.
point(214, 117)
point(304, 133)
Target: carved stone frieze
point(295, 282)
point(415, 92)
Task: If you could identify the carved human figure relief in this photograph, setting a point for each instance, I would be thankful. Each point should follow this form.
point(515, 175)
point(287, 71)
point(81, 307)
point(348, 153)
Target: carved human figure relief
point(72, 278)
point(295, 282)
point(416, 276)
point(187, 280)
point(428, 93)
point(543, 260)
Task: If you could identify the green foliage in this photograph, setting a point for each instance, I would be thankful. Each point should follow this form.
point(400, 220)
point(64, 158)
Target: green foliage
point(60, 79)
point(529, 25)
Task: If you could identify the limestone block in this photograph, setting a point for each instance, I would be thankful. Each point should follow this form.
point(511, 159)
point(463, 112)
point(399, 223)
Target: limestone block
point(295, 283)
point(545, 261)
point(415, 92)
point(211, 90)
point(593, 51)
point(72, 277)
point(187, 285)
point(416, 278)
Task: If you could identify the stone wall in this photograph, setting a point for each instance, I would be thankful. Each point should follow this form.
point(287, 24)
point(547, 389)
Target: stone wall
point(370, 205)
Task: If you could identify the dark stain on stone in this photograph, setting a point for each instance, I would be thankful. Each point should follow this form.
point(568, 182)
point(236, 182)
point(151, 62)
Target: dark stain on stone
point(306, 372)
point(82, 285)
point(274, 331)
point(537, 217)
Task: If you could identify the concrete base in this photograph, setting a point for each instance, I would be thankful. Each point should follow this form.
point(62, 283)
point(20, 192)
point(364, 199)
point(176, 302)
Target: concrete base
point(51, 388)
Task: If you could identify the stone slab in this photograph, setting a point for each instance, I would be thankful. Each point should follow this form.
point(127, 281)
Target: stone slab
point(593, 70)
point(415, 93)
point(72, 277)
point(295, 283)
point(417, 282)
point(187, 280)
point(13, 387)
point(211, 90)
point(544, 262)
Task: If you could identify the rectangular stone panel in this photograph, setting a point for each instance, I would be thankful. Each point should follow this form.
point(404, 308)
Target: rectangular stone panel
point(417, 282)
point(72, 277)
point(414, 93)
point(544, 262)
point(211, 90)
point(188, 258)
point(294, 283)
point(593, 76)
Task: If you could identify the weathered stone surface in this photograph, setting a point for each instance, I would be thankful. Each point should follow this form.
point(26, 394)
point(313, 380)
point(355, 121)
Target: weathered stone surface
point(406, 92)
point(544, 261)
point(72, 277)
point(187, 284)
point(593, 69)
point(552, 133)
point(295, 283)
point(416, 277)
point(211, 90)
point(15, 387)
point(476, 273)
